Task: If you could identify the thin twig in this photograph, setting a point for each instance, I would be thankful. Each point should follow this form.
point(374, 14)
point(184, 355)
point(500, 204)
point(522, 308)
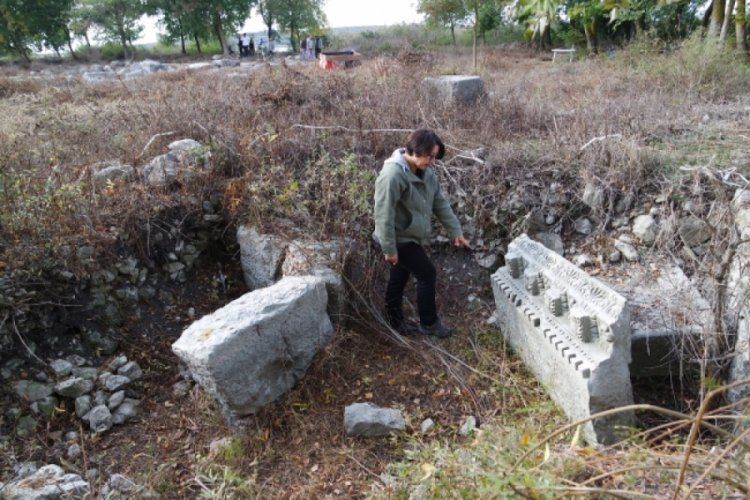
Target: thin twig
point(716, 461)
point(347, 129)
point(600, 138)
point(604, 491)
point(606, 413)
point(20, 337)
point(697, 422)
point(150, 141)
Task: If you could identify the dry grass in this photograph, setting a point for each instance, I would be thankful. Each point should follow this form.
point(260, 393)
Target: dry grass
point(300, 144)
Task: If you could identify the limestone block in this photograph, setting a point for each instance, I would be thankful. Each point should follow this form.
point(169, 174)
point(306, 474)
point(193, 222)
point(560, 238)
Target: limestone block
point(646, 229)
point(571, 330)
point(49, 481)
point(453, 89)
point(367, 420)
point(322, 259)
point(667, 313)
point(261, 255)
point(739, 306)
point(254, 349)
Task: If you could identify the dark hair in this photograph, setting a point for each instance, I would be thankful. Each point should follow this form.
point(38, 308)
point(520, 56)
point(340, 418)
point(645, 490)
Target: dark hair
point(422, 141)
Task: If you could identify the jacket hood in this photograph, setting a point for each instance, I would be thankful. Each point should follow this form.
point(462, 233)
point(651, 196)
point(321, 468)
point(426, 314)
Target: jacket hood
point(398, 158)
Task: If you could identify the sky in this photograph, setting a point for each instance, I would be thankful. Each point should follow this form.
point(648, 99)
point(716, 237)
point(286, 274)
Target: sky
point(340, 14)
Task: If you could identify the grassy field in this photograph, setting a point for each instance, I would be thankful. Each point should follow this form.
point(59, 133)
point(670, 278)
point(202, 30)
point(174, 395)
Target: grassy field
point(302, 145)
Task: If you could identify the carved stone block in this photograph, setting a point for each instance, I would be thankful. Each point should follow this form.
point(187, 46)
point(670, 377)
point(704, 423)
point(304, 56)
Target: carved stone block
point(571, 330)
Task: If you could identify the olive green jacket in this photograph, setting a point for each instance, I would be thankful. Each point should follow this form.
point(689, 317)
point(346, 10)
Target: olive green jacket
point(404, 205)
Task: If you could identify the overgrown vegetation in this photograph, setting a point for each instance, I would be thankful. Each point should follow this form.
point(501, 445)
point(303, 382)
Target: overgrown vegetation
point(295, 150)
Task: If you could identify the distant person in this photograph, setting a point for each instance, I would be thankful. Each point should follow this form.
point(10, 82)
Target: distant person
point(261, 46)
point(240, 47)
point(251, 48)
point(318, 46)
point(407, 195)
point(303, 48)
point(310, 48)
point(246, 44)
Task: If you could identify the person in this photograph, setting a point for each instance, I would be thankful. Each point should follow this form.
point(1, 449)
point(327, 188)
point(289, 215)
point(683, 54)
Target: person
point(251, 48)
point(310, 48)
point(246, 44)
point(240, 47)
point(303, 48)
point(407, 193)
point(318, 46)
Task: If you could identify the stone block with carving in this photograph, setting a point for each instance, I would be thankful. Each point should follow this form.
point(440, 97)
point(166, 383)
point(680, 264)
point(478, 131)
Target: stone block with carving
point(572, 331)
point(254, 349)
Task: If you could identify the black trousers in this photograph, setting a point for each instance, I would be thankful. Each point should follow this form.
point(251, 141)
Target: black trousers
point(412, 259)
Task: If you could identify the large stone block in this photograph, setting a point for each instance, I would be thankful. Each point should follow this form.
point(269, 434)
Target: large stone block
point(453, 89)
point(571, 330)
point(325, 260)
point(254, 349)
point(261, 255)
point(668, 316)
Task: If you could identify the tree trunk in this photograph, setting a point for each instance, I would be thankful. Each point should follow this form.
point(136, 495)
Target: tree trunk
point(197, 43)
point(453, 32)
point(717, 18)
point(70, 46)
point(739, 27)
point(182, 36)
point(124, 42)
point(589, 39)
point(86, 37)
point(707, 16)
point(727, 21)
point(219, 29)
point(476, 27)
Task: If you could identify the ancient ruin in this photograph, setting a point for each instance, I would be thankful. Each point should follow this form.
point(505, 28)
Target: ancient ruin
point(572, 331)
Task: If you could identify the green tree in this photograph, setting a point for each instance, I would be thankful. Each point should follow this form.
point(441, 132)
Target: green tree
point(182, 19)
point(490, 17)
point(295, 16)
point(443, 13)
point(739, 26)
point(27, 24)
point(538, 16)
point(267, 11)
point(118, 20)
point(589, 13)
point(81, 21)
point(225, 15)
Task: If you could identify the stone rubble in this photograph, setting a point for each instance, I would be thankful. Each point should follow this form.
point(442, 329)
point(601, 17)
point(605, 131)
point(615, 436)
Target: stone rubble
point(368, 420)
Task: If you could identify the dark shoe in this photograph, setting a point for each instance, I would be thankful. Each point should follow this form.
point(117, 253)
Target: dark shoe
point(438, 329)
point(407, 328)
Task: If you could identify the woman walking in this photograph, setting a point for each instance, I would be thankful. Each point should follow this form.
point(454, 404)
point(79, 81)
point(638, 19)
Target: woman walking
point(407, 193)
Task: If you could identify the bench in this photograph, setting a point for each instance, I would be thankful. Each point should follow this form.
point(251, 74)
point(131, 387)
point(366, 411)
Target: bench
point(570, 53)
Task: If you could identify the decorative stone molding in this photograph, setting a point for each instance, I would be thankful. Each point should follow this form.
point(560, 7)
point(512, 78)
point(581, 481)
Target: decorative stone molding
point(571, 330)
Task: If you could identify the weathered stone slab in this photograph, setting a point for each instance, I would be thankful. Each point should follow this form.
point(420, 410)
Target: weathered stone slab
point(254, 349)
point(453, 89)
point(667, 316)
point(261, 255)
point(739, 305)
point(368, 420)
point(320, 259)
point(571, 330)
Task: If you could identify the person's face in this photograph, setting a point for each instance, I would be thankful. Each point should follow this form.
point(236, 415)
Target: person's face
point(424, 161)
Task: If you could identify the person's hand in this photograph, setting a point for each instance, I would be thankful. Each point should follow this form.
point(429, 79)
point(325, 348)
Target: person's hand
point(392, 259)
point(460, 241)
